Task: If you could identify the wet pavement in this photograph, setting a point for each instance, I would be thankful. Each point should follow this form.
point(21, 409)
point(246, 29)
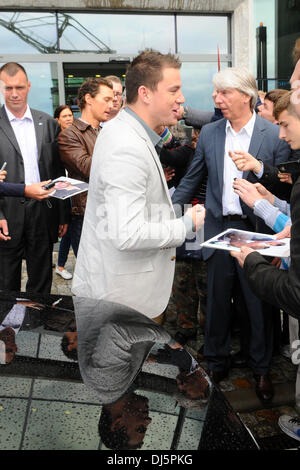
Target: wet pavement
point(238, 387)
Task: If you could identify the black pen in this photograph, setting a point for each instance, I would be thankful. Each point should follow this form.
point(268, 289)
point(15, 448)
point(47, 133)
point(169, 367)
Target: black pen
point(49, 185)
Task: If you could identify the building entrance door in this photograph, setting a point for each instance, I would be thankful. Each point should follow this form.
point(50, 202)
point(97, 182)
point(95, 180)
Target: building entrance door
point(76, 73)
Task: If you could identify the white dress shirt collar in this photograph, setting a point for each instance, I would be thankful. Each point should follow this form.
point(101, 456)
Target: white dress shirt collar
point(247, 127)
point(11, 116)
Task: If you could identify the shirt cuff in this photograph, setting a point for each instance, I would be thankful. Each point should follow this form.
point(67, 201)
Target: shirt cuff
point(259, 175)
point(189, 225)
point(265, 211)
point(283, 206)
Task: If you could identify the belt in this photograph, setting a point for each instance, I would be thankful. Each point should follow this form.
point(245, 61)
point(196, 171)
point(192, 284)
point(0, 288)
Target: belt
point(235, 217)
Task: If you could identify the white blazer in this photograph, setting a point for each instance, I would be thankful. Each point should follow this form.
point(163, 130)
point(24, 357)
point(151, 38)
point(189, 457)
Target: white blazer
point(130, 232)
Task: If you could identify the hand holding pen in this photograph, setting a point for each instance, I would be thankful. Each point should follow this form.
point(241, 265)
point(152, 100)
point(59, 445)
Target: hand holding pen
point(2, 172)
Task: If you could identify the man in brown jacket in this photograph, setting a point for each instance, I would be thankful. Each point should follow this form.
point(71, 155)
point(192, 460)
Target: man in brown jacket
point(76, 143)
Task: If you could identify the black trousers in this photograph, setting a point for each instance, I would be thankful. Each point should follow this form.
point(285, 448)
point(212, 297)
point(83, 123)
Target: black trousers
point(222, 272)
point(35, 246)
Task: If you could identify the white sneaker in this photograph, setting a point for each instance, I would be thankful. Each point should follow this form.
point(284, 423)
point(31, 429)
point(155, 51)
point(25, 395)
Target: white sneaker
point(290, 425)
point(64, 273)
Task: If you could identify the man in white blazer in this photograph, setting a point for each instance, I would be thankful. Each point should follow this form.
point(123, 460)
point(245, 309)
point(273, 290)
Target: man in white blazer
point(130, 231)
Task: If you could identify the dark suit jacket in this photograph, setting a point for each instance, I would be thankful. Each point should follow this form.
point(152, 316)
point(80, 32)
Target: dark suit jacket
point(50, 167)
point(11, 189)
point(209, 155)
point(276, 286)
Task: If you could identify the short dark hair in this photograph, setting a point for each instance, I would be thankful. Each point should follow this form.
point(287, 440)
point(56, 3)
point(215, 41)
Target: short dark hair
point(64, 347)
point(59, 109)
point(147, 69)
point(91, 87)
point(12, 68)
point(116, 440)
point(274, 95)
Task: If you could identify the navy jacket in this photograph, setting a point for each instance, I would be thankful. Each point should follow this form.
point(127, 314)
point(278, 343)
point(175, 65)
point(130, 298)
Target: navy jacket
point(11, 189)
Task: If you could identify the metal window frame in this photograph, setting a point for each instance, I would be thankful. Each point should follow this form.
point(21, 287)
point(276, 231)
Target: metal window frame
point(60, 59)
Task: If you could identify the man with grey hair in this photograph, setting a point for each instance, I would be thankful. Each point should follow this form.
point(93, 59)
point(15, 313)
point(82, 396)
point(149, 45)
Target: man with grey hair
point(240, 129)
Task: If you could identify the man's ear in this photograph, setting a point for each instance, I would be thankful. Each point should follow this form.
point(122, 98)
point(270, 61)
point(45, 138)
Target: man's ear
point(144, 94)
point(87, 98)
point(247, 98)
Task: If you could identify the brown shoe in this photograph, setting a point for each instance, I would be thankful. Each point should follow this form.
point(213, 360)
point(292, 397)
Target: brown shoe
point(264, 388)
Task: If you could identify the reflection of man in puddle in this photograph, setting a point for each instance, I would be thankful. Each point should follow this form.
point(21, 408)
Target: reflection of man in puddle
point(123, 424)
point(69, 344)
point(192, 380)
point(194, 386)
point(8, 347)
point(10, 326)
point(28, 315)
point(113, 344)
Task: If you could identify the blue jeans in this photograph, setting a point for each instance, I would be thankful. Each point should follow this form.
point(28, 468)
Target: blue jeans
point(71, 238)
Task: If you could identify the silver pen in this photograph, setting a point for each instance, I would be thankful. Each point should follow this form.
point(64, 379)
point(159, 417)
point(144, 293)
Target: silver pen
point(57, 302)
point(3, 166)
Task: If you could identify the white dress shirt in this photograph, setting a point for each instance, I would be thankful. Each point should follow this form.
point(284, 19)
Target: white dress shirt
point(14, 319)
point(25, 134)
point(234, 141)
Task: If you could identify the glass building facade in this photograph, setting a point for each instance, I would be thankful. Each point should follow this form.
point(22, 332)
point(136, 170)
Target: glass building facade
point(61, 49)
point(282, 21)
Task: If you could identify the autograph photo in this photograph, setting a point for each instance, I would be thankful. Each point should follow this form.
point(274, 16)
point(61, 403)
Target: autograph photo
point(266, 244)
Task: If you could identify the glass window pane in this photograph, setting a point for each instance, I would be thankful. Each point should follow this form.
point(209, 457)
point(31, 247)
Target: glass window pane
point(202, 34)
point(265, 11)
point(43, 94)
point(116, 33)
point(197, 85)
point(27, 33)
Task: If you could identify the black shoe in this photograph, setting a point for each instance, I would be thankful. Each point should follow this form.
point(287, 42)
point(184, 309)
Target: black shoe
point(264, 388)
point(218, 375)
point(182, 337)
point(238, 360)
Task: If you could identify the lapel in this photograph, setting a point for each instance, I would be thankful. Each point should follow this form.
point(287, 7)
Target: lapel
point(160, 168)
point(8, 130)
point(219, 152)
point(143, 134)
point(256, 139)
point(39, 126)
